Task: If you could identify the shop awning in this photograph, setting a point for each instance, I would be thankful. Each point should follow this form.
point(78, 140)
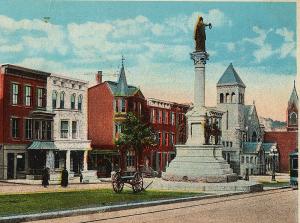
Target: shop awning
point(42, 145)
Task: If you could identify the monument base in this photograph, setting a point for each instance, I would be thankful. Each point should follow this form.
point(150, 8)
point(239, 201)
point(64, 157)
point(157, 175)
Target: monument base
point(199, 163)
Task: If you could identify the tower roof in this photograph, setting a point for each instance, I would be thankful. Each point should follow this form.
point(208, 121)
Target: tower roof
point(230, 77)
point(122, 87)
point(294, 97)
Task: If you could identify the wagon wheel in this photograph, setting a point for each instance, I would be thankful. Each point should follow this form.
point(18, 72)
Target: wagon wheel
point(117, 182)
point(137, 182)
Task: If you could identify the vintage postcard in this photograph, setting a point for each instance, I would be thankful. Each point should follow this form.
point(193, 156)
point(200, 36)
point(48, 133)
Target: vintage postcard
point(148, 111)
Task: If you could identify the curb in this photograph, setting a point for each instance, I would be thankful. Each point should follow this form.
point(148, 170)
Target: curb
point(75, 212)
point(68, 213)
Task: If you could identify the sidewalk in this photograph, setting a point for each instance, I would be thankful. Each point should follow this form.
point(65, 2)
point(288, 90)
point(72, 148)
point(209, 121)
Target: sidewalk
point(118, 207)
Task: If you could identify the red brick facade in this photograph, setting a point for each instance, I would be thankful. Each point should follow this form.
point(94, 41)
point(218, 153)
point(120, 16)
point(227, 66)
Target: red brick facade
point(100, 116)
point(169, 122)
point(286, 142)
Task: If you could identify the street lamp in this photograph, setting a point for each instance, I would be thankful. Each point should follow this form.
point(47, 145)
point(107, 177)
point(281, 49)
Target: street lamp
point(273, 155)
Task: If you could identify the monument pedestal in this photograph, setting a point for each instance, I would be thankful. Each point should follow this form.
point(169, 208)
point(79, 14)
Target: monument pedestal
point(199, 163)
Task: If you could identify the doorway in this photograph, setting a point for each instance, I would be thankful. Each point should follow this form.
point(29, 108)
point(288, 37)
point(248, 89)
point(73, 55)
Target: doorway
point(10, 165)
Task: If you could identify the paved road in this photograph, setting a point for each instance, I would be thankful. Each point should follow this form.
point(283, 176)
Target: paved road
point(271, 206)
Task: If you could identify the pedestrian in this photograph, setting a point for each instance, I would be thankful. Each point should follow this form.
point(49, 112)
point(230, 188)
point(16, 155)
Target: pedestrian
point(45, 177)
point(64, 178)
point(81, 176)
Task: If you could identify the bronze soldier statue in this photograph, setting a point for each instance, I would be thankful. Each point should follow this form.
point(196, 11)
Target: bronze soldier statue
point(207, 130)
point(199, 35)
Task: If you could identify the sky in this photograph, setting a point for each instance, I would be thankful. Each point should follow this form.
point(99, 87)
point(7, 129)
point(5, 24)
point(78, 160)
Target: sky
point(156, 38)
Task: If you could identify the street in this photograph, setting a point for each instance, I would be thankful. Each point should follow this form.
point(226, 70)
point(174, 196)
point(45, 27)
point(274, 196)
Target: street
point(270, 206)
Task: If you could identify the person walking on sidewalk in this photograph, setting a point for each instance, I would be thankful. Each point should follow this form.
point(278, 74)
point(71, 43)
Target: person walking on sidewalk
point(64, 178)
point(45, 177)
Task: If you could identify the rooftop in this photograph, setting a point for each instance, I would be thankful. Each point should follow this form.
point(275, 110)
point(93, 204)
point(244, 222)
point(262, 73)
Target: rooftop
point(230, 77)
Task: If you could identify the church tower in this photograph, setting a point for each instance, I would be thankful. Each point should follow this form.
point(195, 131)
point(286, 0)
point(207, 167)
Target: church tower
point(230, 100)
point(292, 111)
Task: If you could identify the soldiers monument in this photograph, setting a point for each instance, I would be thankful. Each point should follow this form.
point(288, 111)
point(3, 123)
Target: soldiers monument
point(200, 159)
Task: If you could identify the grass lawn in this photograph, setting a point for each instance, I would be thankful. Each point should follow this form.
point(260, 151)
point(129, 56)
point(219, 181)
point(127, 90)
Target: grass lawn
point(44, 202)
point(275, 184)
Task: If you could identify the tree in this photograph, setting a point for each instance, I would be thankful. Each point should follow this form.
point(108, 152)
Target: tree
point(135, 135)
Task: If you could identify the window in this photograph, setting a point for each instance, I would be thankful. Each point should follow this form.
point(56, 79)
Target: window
point(221, 98)
point(157, 115)
point(64, 129)
point(251, 159)
point(73, 85)
point(123, 105)
point(74, 129)
point(15, 94)
point(49, 130)
point(223, 143)
point(28, 95)
point(118, 128)
point(232, 97)
point(230, 144)
point(152, 116)
point(227, 98)
point(247, 159)
point(28, 128)
point(295, 163)
point(251, 171)
point(80, 103)
point(79, 86)
point(243, 159)
point(227, 143)
point(163, 138)
point(173, 118)
point(62, 100)
point(227, 116)
point(293, 119)
point(160, 116)
point(15, 128)
point(73, 96)
point(163, 117)
point(130, 161)
point(254, 137)
point(159, 139)
point(44, 130)
point(54, 81)
point(40, 97)
point(54, 99)
point(139, 108)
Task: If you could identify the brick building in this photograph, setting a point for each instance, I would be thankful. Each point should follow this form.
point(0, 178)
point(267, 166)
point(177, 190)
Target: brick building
point(287, 141)
point(168, 120)
point(26, 127)
point(108, 104)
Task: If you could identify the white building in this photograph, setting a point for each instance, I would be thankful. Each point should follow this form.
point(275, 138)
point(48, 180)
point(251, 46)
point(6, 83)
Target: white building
point(242, 133)
point(67, 98)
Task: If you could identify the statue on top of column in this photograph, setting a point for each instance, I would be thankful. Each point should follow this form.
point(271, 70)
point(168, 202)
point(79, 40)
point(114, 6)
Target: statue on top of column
point(199, 34)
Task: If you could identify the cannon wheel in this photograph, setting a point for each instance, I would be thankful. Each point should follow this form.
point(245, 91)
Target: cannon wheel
point(117, 182)
point(137, 182)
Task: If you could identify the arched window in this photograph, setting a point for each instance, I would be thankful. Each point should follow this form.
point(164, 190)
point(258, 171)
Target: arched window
point(293, 118)
point(73, 96)
point(221, 98)
point(80, 102)
point(227, 99)
point(232, 97)
point(254, 137)
point(54, 99)
point(62, 99)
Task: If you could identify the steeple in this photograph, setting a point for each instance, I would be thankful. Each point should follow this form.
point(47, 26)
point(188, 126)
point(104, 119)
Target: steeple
point(294, 97)
point(122, 87)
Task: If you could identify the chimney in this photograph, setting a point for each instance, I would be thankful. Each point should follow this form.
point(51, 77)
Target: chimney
point(99, 77)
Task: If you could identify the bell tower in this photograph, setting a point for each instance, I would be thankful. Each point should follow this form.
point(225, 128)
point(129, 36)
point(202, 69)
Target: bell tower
point(292, 111)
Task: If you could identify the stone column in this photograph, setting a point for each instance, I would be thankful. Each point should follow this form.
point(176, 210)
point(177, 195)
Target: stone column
point(68, 160)
point(199, 59)
point(50, 160)
point(85, 157)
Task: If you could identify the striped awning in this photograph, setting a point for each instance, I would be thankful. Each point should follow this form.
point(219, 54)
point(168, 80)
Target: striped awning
point(42, 145)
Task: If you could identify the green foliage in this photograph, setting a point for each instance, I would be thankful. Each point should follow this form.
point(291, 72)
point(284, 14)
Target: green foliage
point(135, 134)
point(42, 202)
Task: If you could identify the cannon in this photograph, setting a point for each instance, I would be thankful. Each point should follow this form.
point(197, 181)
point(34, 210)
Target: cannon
point(135, 180)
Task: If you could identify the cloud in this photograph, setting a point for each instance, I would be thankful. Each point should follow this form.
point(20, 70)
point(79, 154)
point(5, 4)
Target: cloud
point(11, 48)
point(46, 36)
point(288, 47)
point(265, 50)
